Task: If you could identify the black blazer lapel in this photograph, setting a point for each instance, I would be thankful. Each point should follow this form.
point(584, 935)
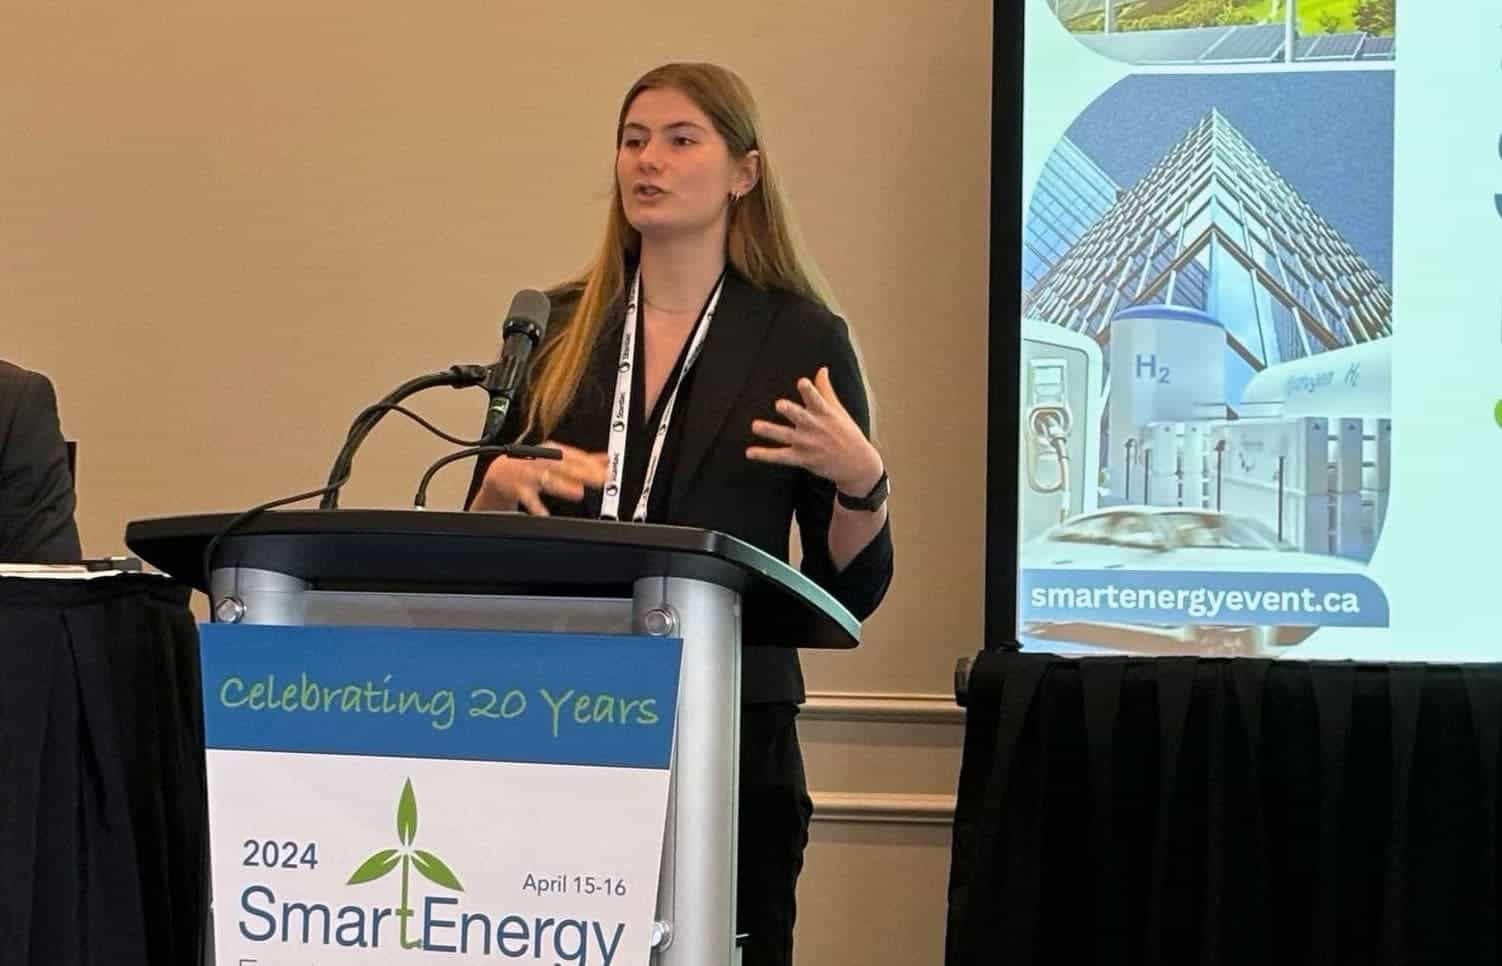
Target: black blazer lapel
point(740, 326)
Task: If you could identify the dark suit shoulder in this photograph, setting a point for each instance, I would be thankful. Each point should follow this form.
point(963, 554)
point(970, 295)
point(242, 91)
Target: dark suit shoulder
point(36, 486)
point(563, 299)
point(803, 315)
point(14, 378)
point(23, 393)
point(804, 334)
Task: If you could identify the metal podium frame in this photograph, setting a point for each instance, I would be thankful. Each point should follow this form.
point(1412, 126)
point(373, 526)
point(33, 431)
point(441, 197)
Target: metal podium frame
point(396, 568)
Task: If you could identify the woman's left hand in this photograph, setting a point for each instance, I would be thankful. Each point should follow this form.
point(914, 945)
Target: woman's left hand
point(820, 437)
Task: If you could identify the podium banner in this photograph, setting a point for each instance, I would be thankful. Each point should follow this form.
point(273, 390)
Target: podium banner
point(380, 795)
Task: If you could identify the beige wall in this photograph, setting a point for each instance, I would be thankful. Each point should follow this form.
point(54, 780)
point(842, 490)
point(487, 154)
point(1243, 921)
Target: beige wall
point(225, 227)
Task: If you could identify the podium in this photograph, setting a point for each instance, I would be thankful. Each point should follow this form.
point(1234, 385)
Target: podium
point(500, 571)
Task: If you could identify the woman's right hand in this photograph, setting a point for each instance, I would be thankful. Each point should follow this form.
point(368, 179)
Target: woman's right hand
point(512, 484)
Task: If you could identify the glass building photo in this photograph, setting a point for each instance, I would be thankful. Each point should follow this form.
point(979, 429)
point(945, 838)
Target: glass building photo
point(1232, 343)
point(1211, 227)
point(1072, 195)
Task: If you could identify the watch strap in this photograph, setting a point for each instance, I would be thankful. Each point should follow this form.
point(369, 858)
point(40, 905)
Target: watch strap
point(871, 501)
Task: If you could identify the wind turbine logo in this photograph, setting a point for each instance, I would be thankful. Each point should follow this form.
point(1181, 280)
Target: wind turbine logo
point(428, 865)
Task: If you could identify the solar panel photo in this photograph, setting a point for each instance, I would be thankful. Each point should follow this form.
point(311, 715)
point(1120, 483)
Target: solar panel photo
point(1231, 32)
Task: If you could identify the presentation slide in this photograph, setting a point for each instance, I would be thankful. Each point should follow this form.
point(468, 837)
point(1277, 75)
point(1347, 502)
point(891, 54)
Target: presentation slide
point(1261, 378)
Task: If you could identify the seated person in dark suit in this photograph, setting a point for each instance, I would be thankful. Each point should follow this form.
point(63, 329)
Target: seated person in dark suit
point(36, 483)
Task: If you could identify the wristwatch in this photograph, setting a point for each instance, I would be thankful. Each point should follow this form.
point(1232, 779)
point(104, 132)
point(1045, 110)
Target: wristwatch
point(871, 501)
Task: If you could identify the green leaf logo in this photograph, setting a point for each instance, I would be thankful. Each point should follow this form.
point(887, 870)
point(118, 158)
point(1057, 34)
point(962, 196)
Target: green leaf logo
point(406, 815)
point(433, 869)
point(375, 867)
point(428, 865)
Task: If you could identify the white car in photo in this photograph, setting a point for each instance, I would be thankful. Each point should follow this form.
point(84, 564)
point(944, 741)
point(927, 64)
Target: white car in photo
point(1148, 538)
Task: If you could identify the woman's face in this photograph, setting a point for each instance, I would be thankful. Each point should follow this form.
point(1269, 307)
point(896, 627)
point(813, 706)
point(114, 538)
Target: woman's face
point(674, 169)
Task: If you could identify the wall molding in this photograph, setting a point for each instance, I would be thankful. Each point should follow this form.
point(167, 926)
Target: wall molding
point(883, 809)
point(884, 707)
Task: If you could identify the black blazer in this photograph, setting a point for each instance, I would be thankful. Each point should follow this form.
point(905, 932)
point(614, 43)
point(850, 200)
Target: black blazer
point(758, 346)
point(36, 485)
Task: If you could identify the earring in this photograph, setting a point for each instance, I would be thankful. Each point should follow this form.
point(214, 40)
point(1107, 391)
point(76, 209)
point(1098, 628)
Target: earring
point(734, 197)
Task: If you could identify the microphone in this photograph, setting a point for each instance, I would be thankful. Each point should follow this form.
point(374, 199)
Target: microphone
point(526, 321)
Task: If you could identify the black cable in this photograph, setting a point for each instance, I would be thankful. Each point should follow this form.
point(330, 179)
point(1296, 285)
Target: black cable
point(514, 452)
point(456, 376)
point(240, 521)
point(397, 408)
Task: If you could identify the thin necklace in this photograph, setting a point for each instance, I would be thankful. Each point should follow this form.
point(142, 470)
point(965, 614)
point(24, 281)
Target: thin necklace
point(664, 308)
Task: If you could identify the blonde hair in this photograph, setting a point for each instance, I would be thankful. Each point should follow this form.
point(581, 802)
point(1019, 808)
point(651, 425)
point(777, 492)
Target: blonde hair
point(762, 243)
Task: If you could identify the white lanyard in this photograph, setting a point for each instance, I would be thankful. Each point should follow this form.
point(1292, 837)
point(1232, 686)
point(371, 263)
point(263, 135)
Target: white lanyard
point(610, 504)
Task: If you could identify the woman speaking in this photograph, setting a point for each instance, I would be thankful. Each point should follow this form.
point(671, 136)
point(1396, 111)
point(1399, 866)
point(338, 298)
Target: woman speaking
point(696, 375)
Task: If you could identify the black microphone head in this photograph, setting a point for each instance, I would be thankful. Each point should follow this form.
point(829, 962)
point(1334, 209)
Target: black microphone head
point(526, 321)
point(528, 315)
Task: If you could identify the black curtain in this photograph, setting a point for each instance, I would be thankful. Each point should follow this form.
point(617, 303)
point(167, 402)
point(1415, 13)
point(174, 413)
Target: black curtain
point(103, 803)
point(1151, 810)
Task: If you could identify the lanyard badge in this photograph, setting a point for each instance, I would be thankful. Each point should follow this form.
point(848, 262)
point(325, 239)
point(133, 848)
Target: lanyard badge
point(620, 410)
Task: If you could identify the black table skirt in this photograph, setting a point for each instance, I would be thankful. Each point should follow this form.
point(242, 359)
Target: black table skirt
point(1166, 810)
point(103, 828)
